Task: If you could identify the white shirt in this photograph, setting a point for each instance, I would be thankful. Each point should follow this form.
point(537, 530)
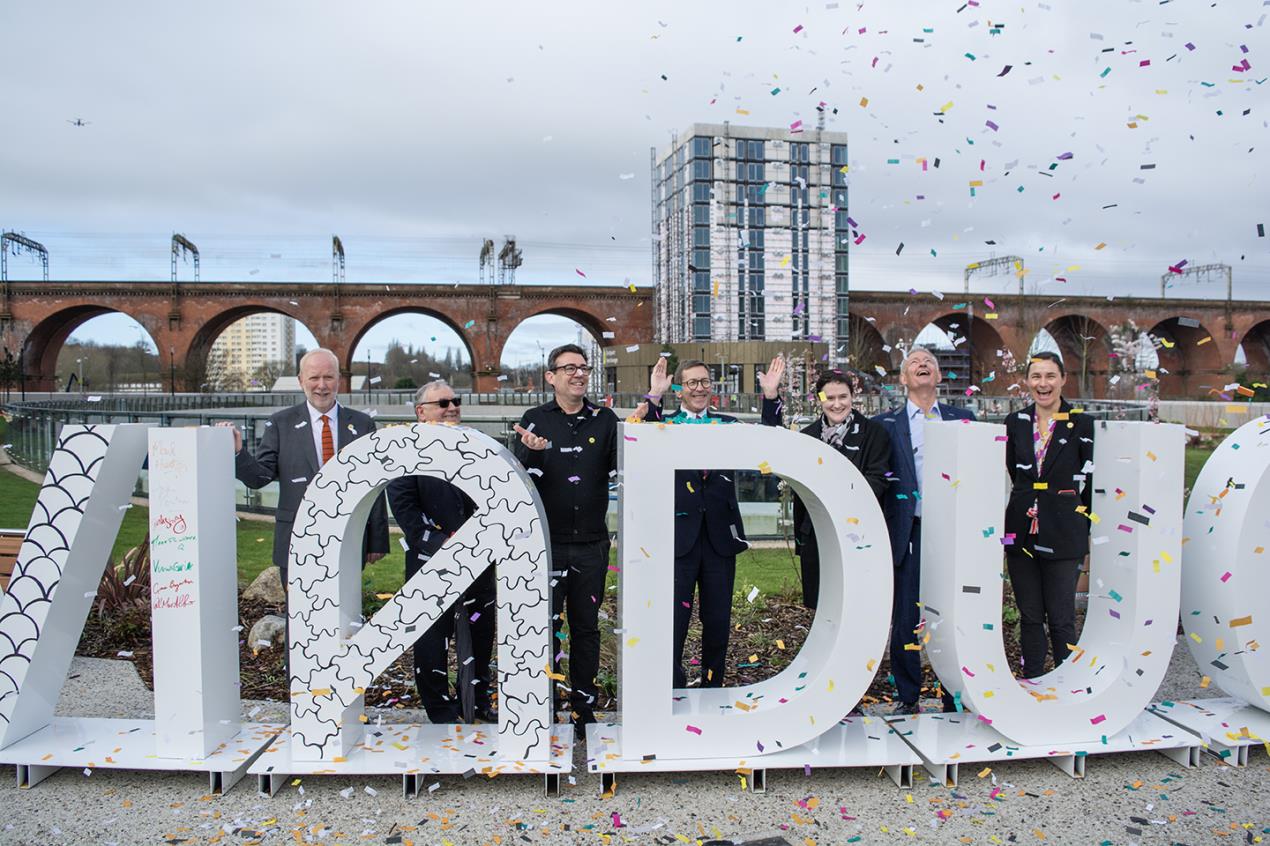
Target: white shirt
point(917, 434)
point(315, 423)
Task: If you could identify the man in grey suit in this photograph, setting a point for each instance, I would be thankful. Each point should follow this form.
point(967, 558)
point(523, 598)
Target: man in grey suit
point(297, 442)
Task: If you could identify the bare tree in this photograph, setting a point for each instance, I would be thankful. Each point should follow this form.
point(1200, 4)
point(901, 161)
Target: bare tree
point(1077, 333)
point(269, 372)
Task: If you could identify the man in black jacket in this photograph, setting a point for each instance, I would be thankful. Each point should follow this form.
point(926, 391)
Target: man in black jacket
point(569, 447)
point(708, 529)
point(429, 510)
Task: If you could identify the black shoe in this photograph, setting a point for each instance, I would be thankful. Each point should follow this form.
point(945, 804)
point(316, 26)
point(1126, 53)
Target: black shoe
point(580, 722)
point(907, 709)
point(486, 714)
point(444, 718)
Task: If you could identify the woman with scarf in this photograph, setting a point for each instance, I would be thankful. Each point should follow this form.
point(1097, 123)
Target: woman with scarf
point(1049, 454)
point(864, 442)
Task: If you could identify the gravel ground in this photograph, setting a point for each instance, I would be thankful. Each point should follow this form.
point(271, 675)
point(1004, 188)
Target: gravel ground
point(1131, 798)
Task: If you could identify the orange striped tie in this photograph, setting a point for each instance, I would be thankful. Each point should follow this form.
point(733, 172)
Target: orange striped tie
point(328, 440)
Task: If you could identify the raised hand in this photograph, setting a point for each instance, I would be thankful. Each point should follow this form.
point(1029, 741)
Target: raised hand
point(640, 412)
point(659, 381)
point(529, 439)
point(238, 435)
point(770, 382)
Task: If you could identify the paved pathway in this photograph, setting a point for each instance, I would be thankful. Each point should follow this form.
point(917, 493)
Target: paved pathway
point(1133, 798)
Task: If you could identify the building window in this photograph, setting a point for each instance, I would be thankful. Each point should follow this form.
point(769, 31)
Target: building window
point(841, 248)
point(701, 192)
point(799, 152)
point(702, 146)
point(702, 169)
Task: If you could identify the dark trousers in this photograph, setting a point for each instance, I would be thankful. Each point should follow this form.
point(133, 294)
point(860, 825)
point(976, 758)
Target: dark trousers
point(712, 576)
point(431, 651)
point(906, 665)
point(1045, 591)
point(809, 561)
point(578, 571)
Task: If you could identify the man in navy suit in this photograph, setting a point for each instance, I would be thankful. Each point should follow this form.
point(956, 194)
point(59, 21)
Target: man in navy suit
point(902, 504)
point(708, 530)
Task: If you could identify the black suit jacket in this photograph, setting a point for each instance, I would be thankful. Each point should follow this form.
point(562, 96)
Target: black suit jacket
point(705, 505)
point(867, 445)
point(428, 510)
point(1062, 531)
point(288, 454)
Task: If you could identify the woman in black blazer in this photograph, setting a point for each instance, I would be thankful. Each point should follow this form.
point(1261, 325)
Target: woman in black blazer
point(1049, 455)
point(864, 442)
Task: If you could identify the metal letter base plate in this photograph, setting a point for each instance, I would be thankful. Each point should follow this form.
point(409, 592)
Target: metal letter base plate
point(854, 742)
point(415, 751)
point(92, 743)
point(1228, 727)
point(945, 741)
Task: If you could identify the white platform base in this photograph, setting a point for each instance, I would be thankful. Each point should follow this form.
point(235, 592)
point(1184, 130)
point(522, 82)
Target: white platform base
point(416, 751)
point(944, 741)
point(1228, 726)
point(91, 744)
point(854, 742)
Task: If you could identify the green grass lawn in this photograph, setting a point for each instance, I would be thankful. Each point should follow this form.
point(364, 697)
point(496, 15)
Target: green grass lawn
point(772, 571)
point(255, 538)
point(1195, 458)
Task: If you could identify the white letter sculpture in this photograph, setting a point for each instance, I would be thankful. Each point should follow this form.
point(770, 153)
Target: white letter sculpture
point(193, 590)
point(90, 476)
point(334, 657)
point(1130, 626)
point(1227, 575)
point(838, 661)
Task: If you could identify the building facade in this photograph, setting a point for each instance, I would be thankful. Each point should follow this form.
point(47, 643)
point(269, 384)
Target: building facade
point(750, 236)
point(247, 345)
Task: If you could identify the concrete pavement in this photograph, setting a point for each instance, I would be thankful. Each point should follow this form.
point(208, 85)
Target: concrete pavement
point(1132, 798)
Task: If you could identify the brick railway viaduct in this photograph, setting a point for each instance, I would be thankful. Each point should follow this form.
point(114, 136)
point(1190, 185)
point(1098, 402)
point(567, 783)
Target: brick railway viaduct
point(1199, 337)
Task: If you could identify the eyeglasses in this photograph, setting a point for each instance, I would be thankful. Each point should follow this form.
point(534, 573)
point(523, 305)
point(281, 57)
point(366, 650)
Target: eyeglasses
point(445, 403)
point(572, 369)
point(698, 383)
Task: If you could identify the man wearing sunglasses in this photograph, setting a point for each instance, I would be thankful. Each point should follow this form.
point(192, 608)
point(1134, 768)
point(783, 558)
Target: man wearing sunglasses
point(569, 447)
point(708, 530)
point(429, 510)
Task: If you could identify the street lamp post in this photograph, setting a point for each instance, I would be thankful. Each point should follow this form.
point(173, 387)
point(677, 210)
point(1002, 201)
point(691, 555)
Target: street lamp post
point(542, 370)
point(80, 362)
point(171, 371)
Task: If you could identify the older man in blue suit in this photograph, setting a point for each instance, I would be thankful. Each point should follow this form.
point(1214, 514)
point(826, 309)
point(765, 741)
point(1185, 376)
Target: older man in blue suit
point(902, 504)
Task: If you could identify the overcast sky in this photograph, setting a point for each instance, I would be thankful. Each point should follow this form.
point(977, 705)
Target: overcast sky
point(1113, 139)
